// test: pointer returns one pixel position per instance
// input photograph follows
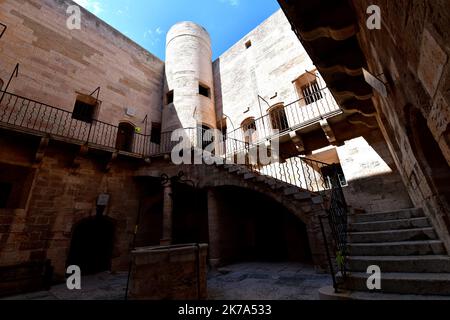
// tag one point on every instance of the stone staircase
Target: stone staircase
(413, 261)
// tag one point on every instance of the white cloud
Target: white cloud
(93, 6)
(153, 36)
(233, 3)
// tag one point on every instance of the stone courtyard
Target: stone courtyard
(244, 281)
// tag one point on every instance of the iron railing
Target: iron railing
(337, 215)
(38, 117)
(3, 28)
(312, 107)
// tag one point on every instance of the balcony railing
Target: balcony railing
(309, 109)
(37, 117)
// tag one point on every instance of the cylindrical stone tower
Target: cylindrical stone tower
(189, 92)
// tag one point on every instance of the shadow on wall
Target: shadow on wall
(430, 158)
(252, 227)
(383, 192)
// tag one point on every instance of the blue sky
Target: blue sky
(147, 21)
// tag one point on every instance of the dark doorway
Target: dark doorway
(92, 245)
(253, 227)
(125, 137)
(429, 154)
(190, 215)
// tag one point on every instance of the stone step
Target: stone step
(390, 225)
(233, 169)
(415, 264)
(402, 283)
(328, 293)
(404, 248)
(387, 216)
(249, 176)
(303, 195)
(416, 234)
(291, 191)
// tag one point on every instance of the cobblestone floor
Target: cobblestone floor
(245, 281)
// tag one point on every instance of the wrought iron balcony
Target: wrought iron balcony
(23, 114)
(315, 105)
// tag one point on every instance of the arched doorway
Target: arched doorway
(249, 130)
(428, 153)
(255, 228)
(125, 137)
(92, 245)
(278, 118)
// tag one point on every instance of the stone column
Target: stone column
(167, 216)
(214, 228)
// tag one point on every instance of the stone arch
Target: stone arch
(278, 118)
(254, 227)
(92, 244)
(215, 178)
(249, 130)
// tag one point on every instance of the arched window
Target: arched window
(249, 130)
(278, 118)
(125, 137)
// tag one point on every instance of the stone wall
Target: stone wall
(415, 116)
(267, 68)
(61, 196)
(169, 273)
(374, 183)
(56, 63)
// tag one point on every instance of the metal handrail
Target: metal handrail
(291, 117)
(4, 27)
(337, 216)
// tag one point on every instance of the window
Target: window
(204, 91)
(155, 135)
(85, 109)
(278, 118)
(5, 192)
(249, 130)
(169, 97)
(248, 44)
(311, 92)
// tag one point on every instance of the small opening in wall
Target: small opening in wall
(5, 192)
(1, 84)
(85, 109)
(169, 97)
(248, 44)
(155, 135)
(204, 91)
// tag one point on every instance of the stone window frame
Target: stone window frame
(87, 100)
(170, 97)
(203, 87)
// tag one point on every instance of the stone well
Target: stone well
(176, 272)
